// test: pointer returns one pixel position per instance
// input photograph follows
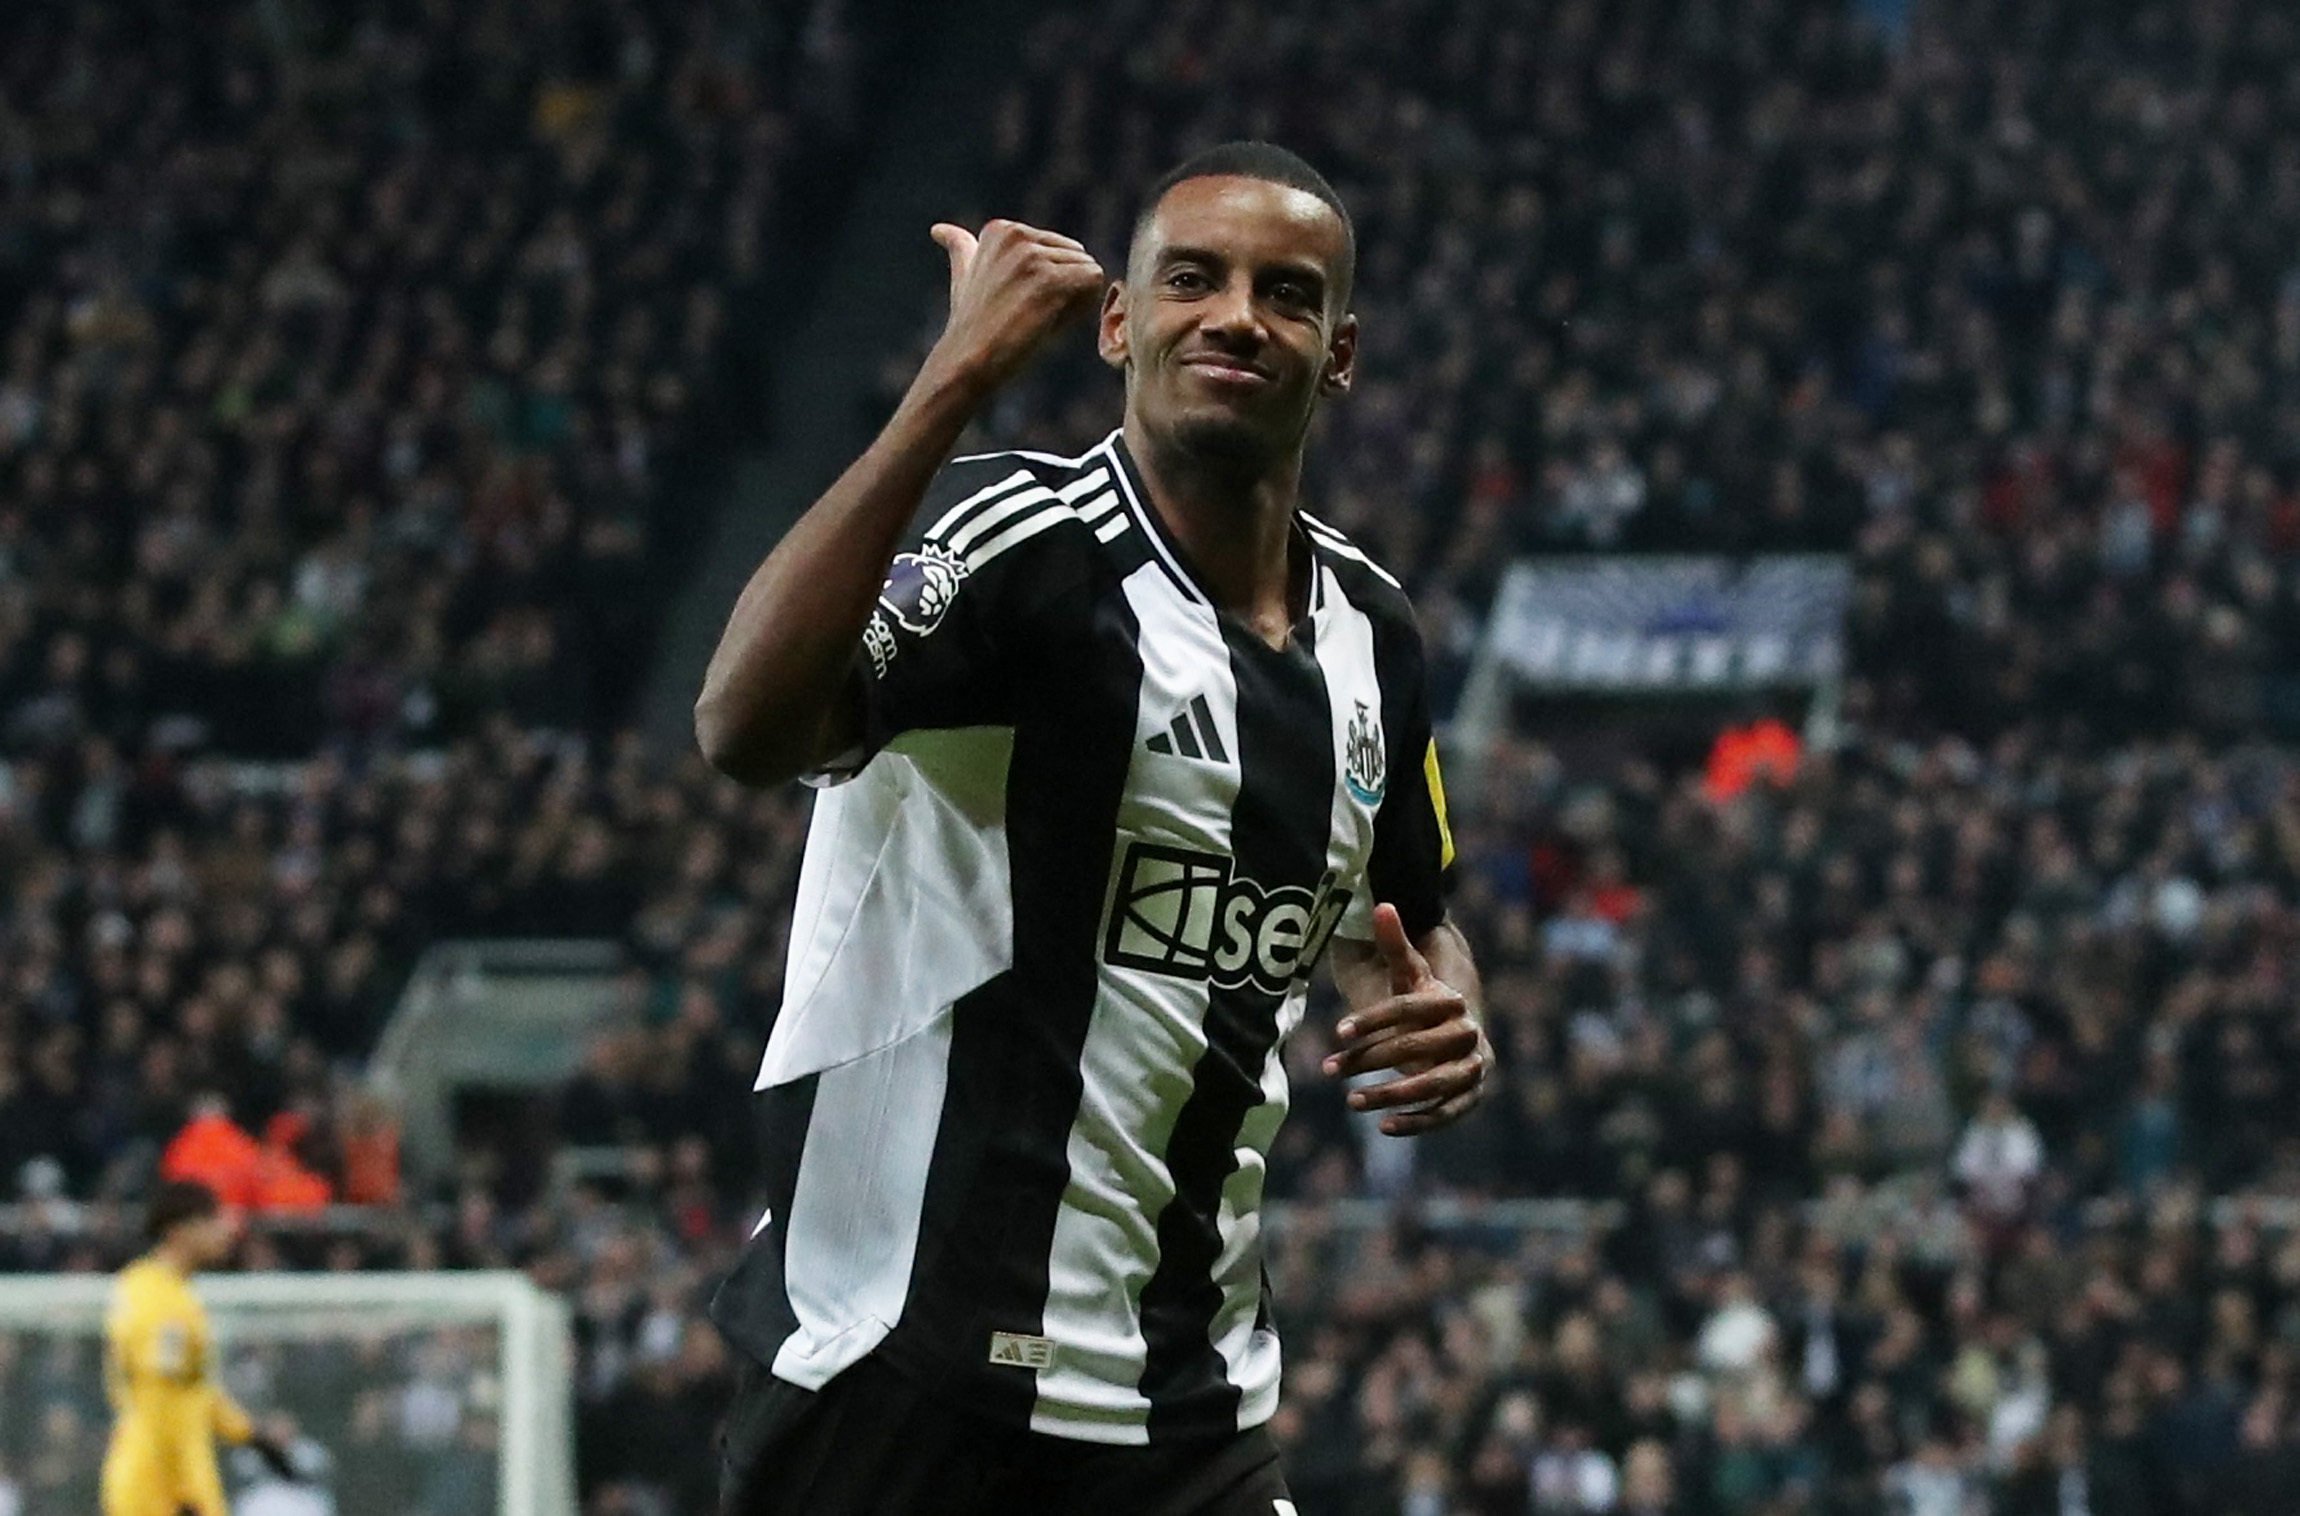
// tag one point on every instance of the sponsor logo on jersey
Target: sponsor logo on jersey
(1365, 762)
(1192, 915)
(920, 586)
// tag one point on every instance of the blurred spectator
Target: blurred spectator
(214, 1150)
(1934, 1481)
(1999, 1161)
(1569, 1475)
(1742, 755)
(369, 1140)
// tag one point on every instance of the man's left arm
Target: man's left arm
(1414, 1006)
(226, 1420)
(1403, 969)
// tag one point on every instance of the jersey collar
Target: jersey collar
(1169, 554)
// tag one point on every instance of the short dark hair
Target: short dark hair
(1247, 159)
(176, 1202)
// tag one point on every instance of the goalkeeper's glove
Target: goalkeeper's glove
(274, 1453)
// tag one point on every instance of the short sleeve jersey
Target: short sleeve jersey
(1057, 916)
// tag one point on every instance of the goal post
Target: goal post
(423, 1388)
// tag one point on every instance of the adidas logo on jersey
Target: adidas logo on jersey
(1191, 734)
(1191, 915)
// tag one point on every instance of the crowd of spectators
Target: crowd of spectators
(2004, 302)
(1907, 1077)
(2001, 301)
(245, 941)
(350, 358)
(1715, 1014)
(1898, 1089)
(234, 948)
(361, 368)
(347, 352)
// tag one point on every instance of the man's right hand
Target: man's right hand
(779, 696)
(1010, 290)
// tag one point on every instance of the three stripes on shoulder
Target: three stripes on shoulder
(1333, 541)
(1017, 508)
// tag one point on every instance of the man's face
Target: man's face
(1230, 324)
(213, 1238)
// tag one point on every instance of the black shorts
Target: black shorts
(871, 1443)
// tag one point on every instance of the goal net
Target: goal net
(414, 1394)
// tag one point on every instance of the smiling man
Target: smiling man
(1113, 752)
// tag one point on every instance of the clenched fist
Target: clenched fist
(1010, 289)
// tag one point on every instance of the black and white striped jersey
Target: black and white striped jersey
(1055, 920)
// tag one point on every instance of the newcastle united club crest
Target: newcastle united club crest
(1365, 763)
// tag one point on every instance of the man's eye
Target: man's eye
(1294, 294)
(1186, 279)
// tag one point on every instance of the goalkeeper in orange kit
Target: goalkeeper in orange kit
(168, 1407)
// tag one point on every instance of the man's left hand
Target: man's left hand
(1424, 1030)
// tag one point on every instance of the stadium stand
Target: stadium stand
(1926, 1107)
(341, 404)
(2003, 305)
(360, 369)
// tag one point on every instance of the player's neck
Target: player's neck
(1235, 528)
(175, 1259)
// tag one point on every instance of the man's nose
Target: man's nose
(1231, 314)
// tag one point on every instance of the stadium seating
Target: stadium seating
(360, 372)
(1900, 1091)
(2002, 304)
(341, 406)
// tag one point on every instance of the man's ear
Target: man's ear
(1341, 359)
(1110, 326)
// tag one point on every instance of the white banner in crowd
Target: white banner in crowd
(1670, 625)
